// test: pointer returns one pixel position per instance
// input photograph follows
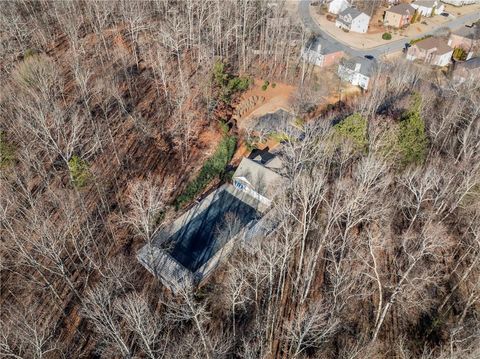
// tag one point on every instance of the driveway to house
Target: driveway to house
(378, 51)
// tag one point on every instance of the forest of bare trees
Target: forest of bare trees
(103, 109)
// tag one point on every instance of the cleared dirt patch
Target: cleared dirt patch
(257, 101)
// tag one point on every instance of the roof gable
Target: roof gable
(402, 9)
(261, 178)
(434, 43)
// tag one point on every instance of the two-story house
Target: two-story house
(358, 71)
(428, 8)
(354, 20)
(259, 177)
(337, 6)
(398, 16)
(321, 53)
(468, 39)
(433, 51)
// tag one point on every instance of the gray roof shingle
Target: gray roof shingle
(367, 66)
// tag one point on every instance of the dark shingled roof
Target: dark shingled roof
(367, 66)
(322, 46)
(353, 12)
(472, 33)
(471, 64)
(402, 9)
(434, 42)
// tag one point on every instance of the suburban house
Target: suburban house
(354, 20)
(337, 6)
(398, 16)
(320, 52)
(183, 253)
(460, 2)
(433, 51)
(428, 8)
(257, 177)
(468, 39)
(358, 71)
(468, 70)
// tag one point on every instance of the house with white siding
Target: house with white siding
(321, 53)
(461, 2)
(258, 179)
(428, 8)
(358, 71)
(354, 20)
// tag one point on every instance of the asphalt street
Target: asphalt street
(312, 25)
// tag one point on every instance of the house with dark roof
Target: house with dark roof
(398, 16)
(467, 71)
(428, 8)
(354, 20)
(258, 179)
(358, 71)
(466, 38)
(321, 52)
(433, 50)
(183, 253)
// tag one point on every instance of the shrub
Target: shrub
(7, 152)
(251, 143)
(299, 122)
(238, 84)
(459, 54)
(387, 36)
(419, 39)
(219, 74)
(274, 85)
(416, 17)
(265, 85)
(279, 137)
(79, 171)
(213, 167)
(354, 129)
(36, 72)
(29, 53)
(412, 140)
(228, 83)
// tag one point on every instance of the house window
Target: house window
(239, 185)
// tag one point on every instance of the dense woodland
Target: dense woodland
(108, 109)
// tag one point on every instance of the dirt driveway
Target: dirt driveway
(257, 102)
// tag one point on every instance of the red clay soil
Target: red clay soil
(136, 145)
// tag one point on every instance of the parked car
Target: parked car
(370, 57)
(446, 14)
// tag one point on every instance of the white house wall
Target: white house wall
(427, 11)
(444, 59)
(360, 24)
(355, 78)
(337, 6)
(313, 57)
(461, 2)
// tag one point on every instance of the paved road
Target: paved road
(312, 25)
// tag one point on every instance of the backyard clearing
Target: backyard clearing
(257, 101)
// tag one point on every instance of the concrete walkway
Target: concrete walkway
(388, 48)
